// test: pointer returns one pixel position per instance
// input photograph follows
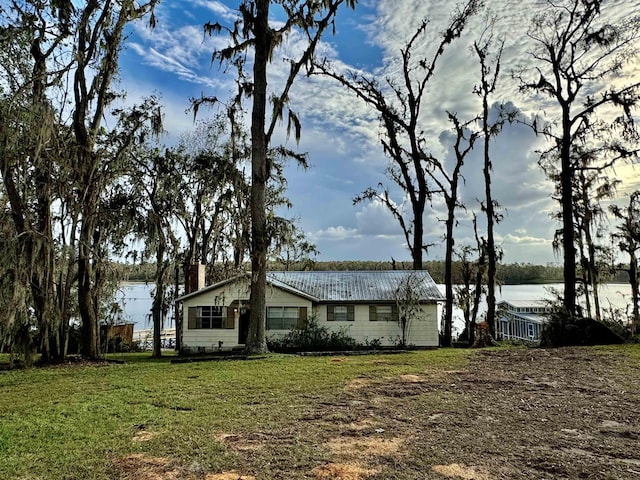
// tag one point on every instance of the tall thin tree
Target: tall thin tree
(578, 62)
(489, 74)
(255, 32)
(400, 102)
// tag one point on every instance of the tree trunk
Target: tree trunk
(86, 296)
(177, 313)
(586, 273)
(256, 341)
(448, 271)
(89, 328)
(477, 294)
(418, 225)
(593, 271)
(156, 315)
(158, 298)
(635, 289)
(568, 232)
(490, 213)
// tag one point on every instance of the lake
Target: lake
(135, 300)
(616, 295)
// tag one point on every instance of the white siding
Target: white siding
(208, 339)
(423, 331)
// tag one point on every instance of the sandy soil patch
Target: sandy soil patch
(229, 476)
(357, 383)
(342, 471)
(138, 466)
(362, 425)
(365, 446)
(412, 378)
(143, 436)
(242, 443)
(459, 471)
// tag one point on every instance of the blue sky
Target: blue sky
(341, 135)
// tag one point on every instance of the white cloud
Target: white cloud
(341, 134)
(375, 219)
(217, 8)
(525, 240)
(335, 233)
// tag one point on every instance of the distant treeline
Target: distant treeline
(508, 274)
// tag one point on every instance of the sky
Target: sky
(341, 135)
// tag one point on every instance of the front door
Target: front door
(243, 326)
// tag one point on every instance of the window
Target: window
(285, 318)
(210, 317)
(531, 330)
(383, 313)
(340, 313)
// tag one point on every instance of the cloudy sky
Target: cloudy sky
(342, 136)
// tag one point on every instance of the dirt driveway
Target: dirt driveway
(571, 413)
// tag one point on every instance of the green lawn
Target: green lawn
(76, 422)
(398, 416)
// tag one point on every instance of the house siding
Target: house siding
(521, 320)
(234, 293)
(207, 339)
(423, 331)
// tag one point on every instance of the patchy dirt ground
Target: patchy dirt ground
(571, 413)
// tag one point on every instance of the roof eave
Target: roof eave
(222, 283)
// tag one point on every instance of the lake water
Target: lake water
(135, 300)
(617, 295)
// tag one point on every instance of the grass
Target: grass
(81, 421)
(73, 422)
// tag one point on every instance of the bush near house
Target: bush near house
(313, 338)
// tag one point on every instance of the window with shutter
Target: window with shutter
(340, 313)
(283, 318)
(206, 317)
(193, 315)
(229, 319)
(383, 313)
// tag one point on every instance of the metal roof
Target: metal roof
(526, 303)
(527, 317)
(344, 286)
(356, 286)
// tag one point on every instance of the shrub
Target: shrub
(563, 330)
(312, 338)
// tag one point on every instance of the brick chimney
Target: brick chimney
(195, 278)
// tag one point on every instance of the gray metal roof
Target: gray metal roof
(526, 303)
(527, 317)
(356, 286)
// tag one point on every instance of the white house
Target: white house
(362, 303)
(521, 319)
